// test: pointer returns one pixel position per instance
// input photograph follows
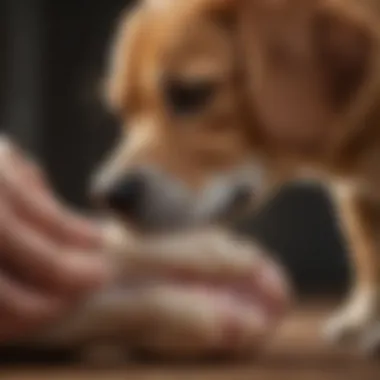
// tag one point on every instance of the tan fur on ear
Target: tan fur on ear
(348, 43)
(120, 60)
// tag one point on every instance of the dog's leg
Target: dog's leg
(361, 307)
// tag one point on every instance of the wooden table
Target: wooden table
(298, 353)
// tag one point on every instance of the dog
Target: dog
(305, 79)
(313, 84)
(183, 168)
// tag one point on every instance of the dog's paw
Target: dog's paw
(351, 322)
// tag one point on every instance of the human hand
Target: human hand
(48, 254)
(192, 294)
(189, 294)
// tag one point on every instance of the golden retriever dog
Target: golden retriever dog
(184, 164)
(313, 83)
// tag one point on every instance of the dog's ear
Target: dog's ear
(120, 61)
(344, 44)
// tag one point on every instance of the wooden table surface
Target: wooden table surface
(298, 353)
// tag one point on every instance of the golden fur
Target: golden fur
(176, 39)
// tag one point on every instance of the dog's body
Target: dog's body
(314, 84)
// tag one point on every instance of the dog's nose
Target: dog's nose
(242, 196)
(125, 195)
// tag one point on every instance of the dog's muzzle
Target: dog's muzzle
(155, 201)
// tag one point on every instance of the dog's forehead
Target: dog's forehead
(181, 35)
(164, 22)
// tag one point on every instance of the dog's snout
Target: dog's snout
(126, 194)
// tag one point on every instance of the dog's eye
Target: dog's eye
(189, 97)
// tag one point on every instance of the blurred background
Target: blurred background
(52, 61)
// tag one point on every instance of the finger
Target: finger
(12, 156)
(28, 192)
(117, 312)
(220, 257)
(21, 307)
(204, 254)
(46, 263)
(217, 255)
(272, 288)
(209, 321)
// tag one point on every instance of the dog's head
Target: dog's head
(183, 157)
(312, 68)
